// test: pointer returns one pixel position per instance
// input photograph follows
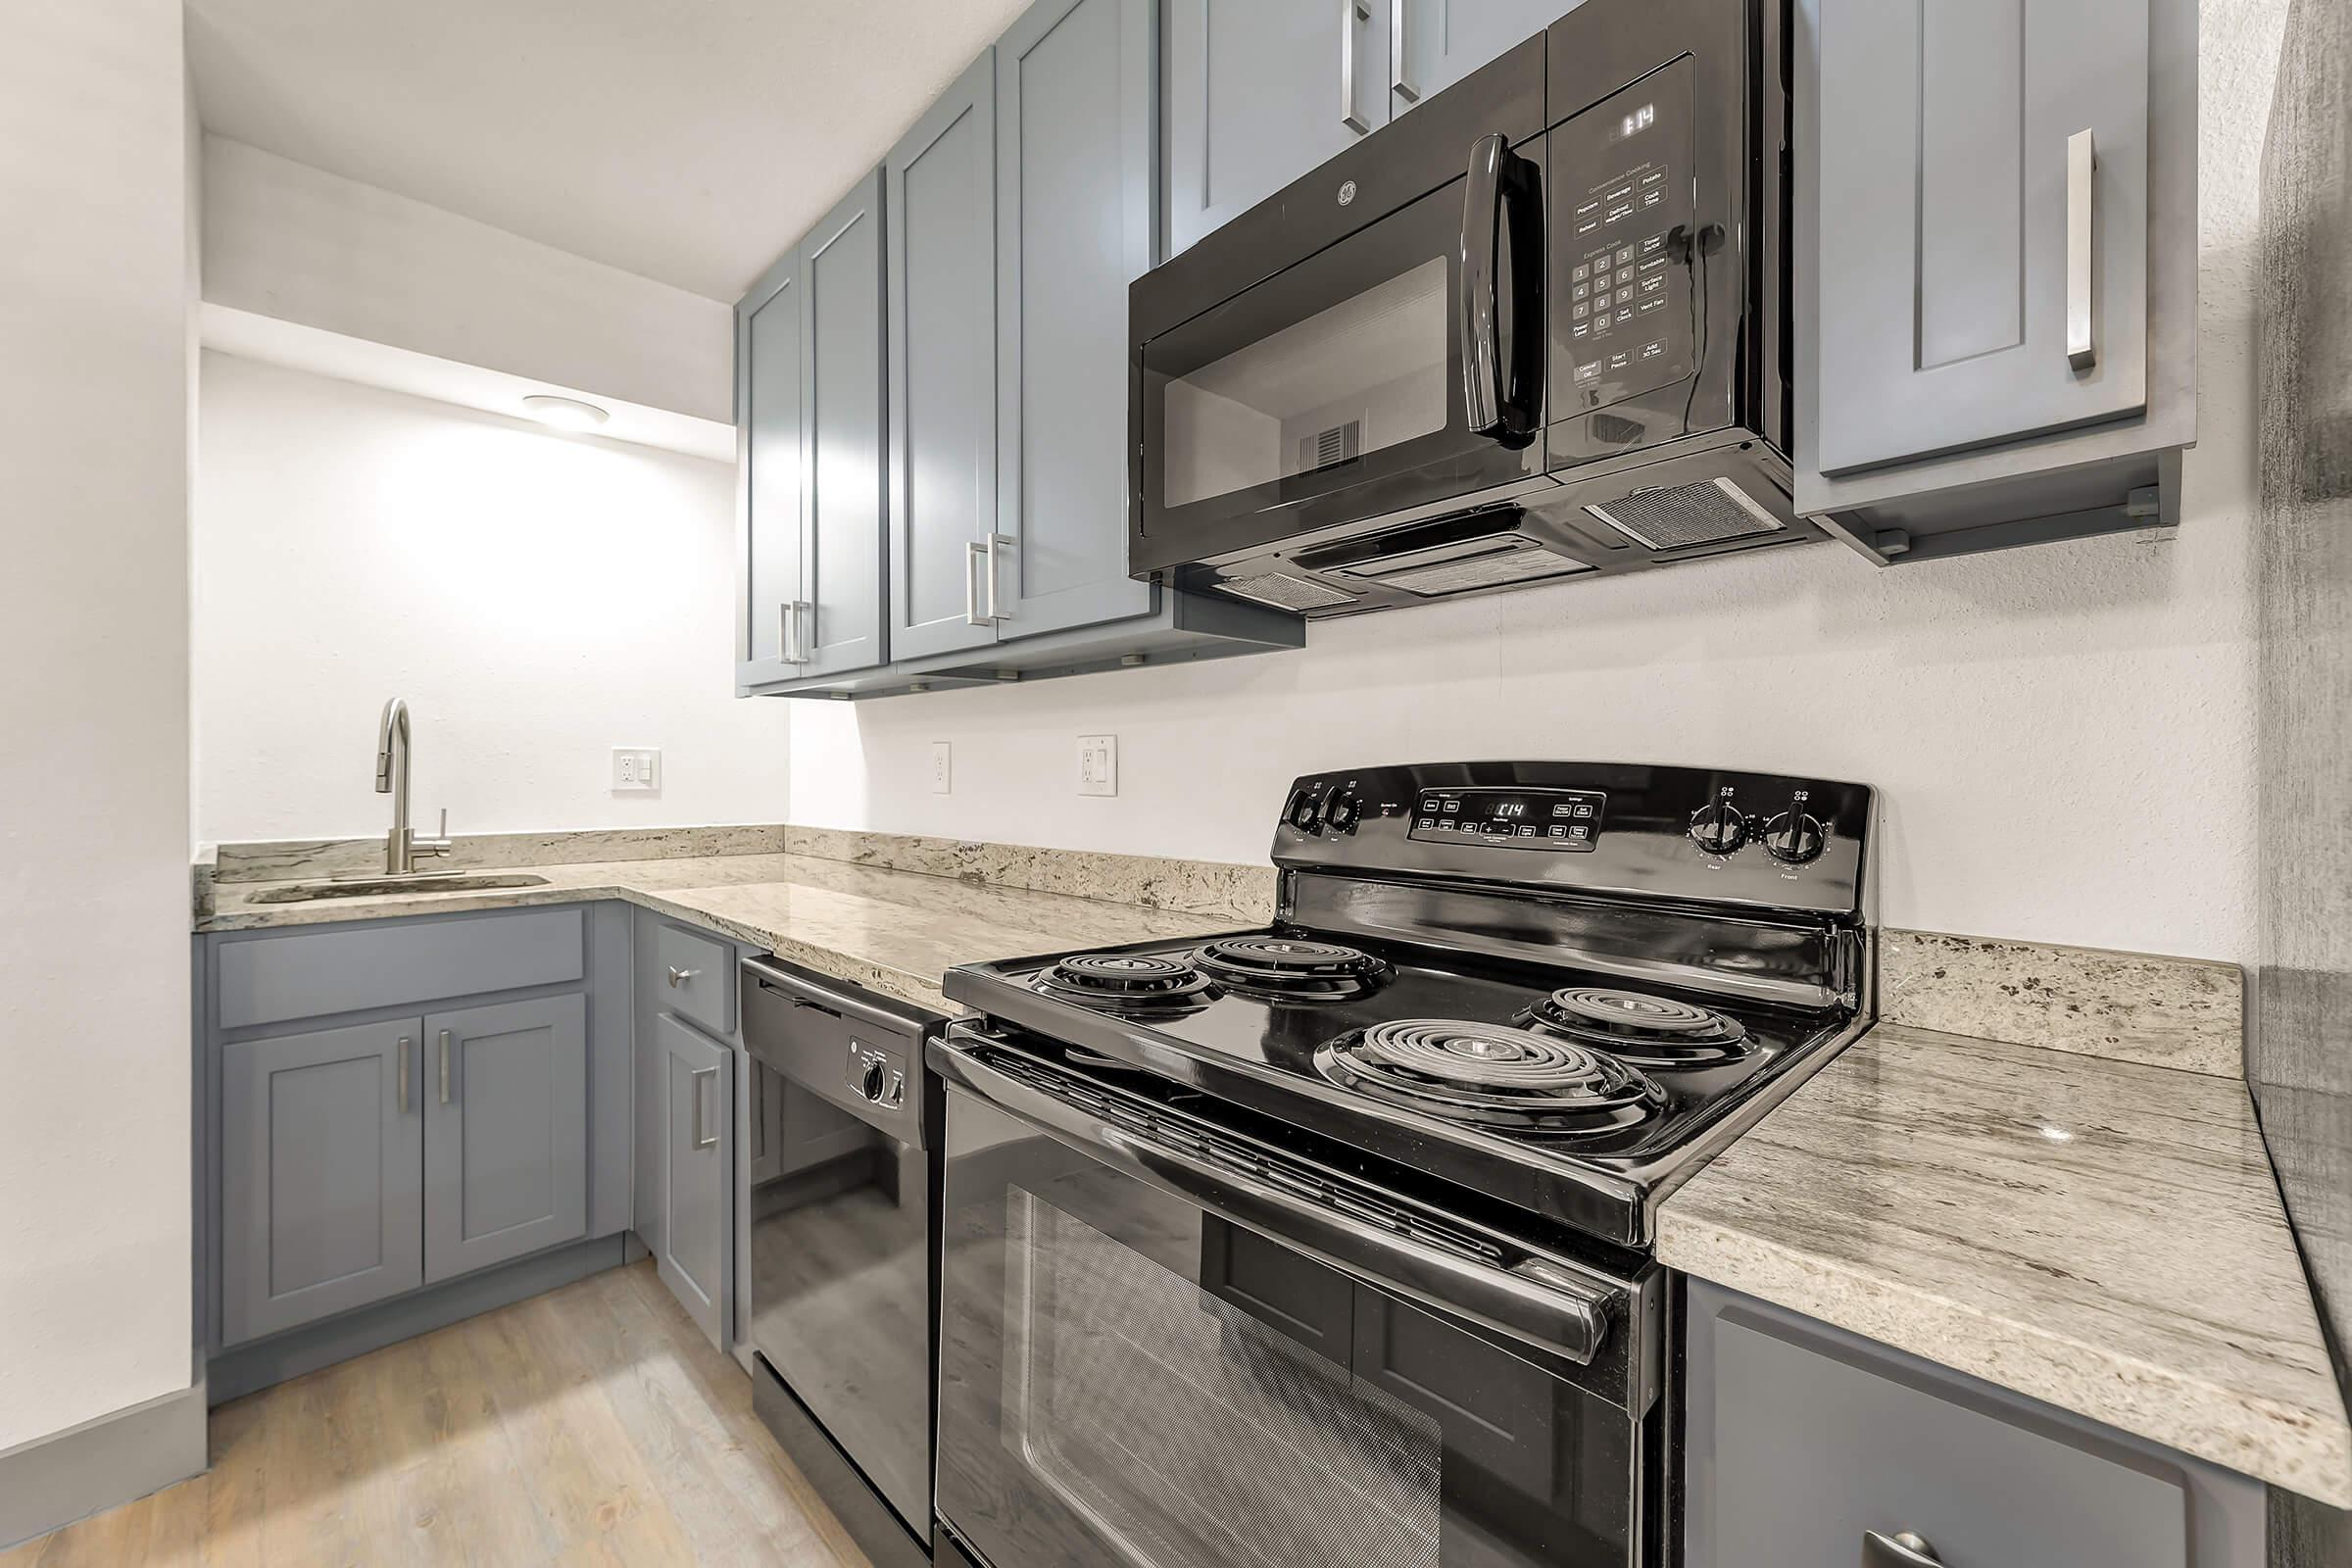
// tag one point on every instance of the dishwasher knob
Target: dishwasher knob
(874, 1082)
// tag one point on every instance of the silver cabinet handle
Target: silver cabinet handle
(2081, 218)
(989, 548)
(803, 611)
(1399, 83)
(973, 554)
(784, 631)
(679, 976)
(445, 1066)
(701, 1138)
(1352, 12)
(1900, 1551)
(401, 1068)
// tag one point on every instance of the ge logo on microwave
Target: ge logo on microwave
(1346, 192)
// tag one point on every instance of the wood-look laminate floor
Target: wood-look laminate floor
(590, 1425)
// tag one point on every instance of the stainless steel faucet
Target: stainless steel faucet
(402, 846)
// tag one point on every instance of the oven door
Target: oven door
(1396, 372)
(1152, 1355)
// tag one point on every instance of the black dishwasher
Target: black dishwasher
(845, 1250)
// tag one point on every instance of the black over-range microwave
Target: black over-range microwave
(1534, 329)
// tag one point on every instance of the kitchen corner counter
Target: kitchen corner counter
(895, 932)
(2101, 1235)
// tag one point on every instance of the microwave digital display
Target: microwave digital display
(1510, 818)
(1636, 121)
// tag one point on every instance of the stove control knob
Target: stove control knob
(1307, 815)
(1342, 813)
(1794, 836)
(1718, 829)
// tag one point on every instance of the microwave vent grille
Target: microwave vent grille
(1491, 571)
(1688, 514)
(1328, 449)
(1286, 592)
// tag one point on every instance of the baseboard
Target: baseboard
(241, 1369)
(103, 1462)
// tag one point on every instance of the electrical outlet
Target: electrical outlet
(1098, 764)
(636, 768)
(942, 777)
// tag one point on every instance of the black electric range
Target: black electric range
(1422, 1120)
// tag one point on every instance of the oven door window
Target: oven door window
(1125, 1379)
(1326, 393)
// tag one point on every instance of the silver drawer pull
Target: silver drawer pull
(2082, 275)
(1902, 1549)
(702, 1139)
(679, 976)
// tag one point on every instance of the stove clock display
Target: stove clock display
(1513, 818)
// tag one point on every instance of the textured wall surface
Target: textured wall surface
(2300, 1058)
(2064, 735)
(94, 1210)
(538, 599)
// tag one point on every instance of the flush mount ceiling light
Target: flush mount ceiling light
(565, 414)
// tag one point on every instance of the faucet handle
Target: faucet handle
(436, 845)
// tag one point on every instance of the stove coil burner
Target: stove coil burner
(1291, 967)
(1632, 1026)
(1491, 1075)
(1128, 982)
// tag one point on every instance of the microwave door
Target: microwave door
(1340, 389)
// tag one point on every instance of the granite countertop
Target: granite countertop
(895, 932)
(2100, 1234)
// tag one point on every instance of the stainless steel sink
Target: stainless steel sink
(377, 886)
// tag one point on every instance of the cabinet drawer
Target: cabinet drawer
(698, 977)
(317, 973)
(1813, 1446)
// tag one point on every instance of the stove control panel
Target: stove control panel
(1515, 818)
(1637, 830)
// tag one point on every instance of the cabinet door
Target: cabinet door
(770, 523)
(943, 369)
(695, 1222)
(841, 402)
(1073, 230)
(505, 1132)
(1436, 43)
(1259, 92)
(1947, 207)
(322, 1174)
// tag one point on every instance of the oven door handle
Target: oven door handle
(1502, 374)
(1537, 1301)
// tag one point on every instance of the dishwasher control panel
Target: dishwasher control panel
(877, 1075)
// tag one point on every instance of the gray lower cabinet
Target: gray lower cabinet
(505, 1132)
(695, 1116)
(1995, 248)
(323, 1174)
(1807, 1444)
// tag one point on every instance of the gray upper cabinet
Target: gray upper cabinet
(943, 371)
(1996, 255)
(842, 414)
(696, 1172)
(505, 1132)
(1948, 174)
(1074, 96)
(1259, 92)
(769, 474)
(1435, 43)
(322, 1174)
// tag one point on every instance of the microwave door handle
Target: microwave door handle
(1494, 407)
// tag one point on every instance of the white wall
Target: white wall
(2064, 735)
(94, 1173)
(286, 240)
(539, 598)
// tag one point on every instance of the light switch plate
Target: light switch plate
(636, 769)
(942, 776)
(1098, 764)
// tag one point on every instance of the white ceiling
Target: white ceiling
(684, 140)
